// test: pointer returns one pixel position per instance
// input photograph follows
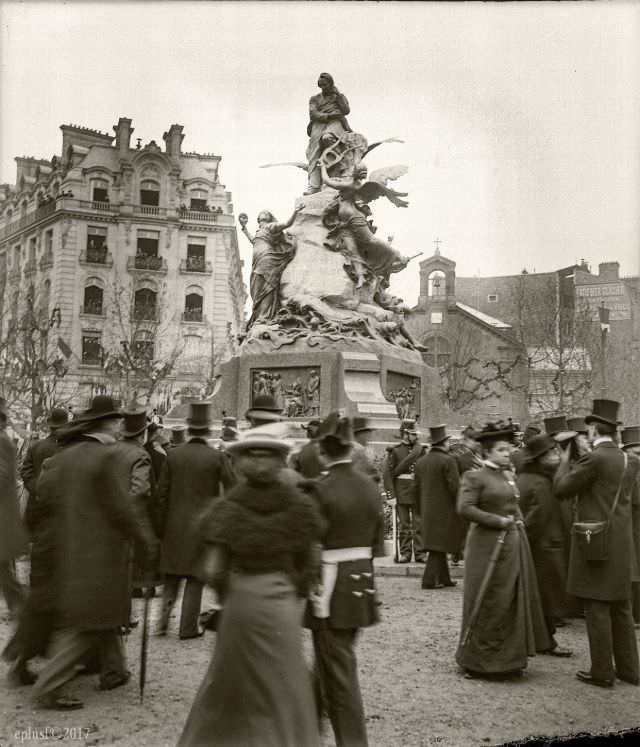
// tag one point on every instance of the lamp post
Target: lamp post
(603, 314)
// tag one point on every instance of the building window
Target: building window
(149, 193)
(143, 345)
(198, 200)
(144, 305)
(91, 349)
(195, 255)
(48, 242)
(192, 307)
(100, 190)
(93, 298)
(32, 248)
(492, 298)
(147, 244)
(439, 351)
(436, 317)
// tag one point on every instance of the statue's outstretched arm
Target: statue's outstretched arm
(277, 227)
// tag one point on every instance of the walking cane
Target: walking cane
(484, 586)
(145, 639)
(396, 533)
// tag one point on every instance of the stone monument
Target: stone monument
(325, 332)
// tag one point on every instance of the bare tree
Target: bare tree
(140, 345)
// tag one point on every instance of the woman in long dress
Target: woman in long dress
(262, 556)
(505, 625)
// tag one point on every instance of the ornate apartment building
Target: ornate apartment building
(119, 269)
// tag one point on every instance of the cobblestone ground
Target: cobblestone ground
(413, 692)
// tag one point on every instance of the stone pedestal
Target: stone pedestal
(356, 381)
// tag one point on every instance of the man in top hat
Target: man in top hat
(307, 460)
(34, 629)
(192, 479)
(264, 410)
(362, 430)
(13, 537)
(436, 485)
(95, 525)
(350, 503)
(598, 478)
(178, 435)
(37, 452)
(543, 522)
(630, 437)
(397, 478)
(136, 477)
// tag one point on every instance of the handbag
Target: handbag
(592, 537)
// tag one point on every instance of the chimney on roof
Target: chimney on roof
(609, 271)
(173, 140)
(123, 131)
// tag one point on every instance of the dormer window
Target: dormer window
(198, 200)
(100, 190)
(149, 193)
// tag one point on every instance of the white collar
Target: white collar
(601, 440)
(340, 461)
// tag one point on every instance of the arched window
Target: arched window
(193, 305)
(439, 351)
(93, 300)
(144, 304)
(149, 192)
(436, 287)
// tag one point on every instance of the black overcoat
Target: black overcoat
(190, 481)
(13, 536)
(94, 525)
(544, 524)
(436, 483)
(30, 471)
(594, 478)
(350, 503)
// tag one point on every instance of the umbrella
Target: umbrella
(145, 639)
(484, 586)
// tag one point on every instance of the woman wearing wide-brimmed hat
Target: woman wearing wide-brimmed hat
(502, 621)
(262, 554)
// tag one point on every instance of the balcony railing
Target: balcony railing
(193, 315)
(99, 256)
(38, 214)
(30, 266)
(144, 313)
(195, 264)
(46, 261)
(93, 307)
(147, 262)
(149, 210)
(198, 215)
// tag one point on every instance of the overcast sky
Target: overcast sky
(521, 121)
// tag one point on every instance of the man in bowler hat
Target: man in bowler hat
(436, 486)
(96, 524)
(192, 478)
(597, 478)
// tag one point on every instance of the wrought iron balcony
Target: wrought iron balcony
(30, 266)
(144, 313)
(193, 315)
(46, 261)
(94, 308)
(196, 264)
(147, 262)
(96, 256)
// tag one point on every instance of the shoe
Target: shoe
(110, 683)
(193, 635)
(590, 680)
(59, 703)
(558, 651)
(19, 674)
(404, 559)
(432, 586)
(630, 680)
(451, 583)
(421, 559)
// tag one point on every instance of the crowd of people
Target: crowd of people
(547, 521)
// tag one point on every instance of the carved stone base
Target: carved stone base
(356, 381)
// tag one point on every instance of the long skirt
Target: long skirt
(257, 691)
(510, 624)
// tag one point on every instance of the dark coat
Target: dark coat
(30, 471)
(350, 504)
(436, 483)
(544, 524)
(95, 525)
(307, 461)
(397, 473)
(594, 478)
(191, 480)
(13, 536)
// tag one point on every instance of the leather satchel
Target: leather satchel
(592, 537)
